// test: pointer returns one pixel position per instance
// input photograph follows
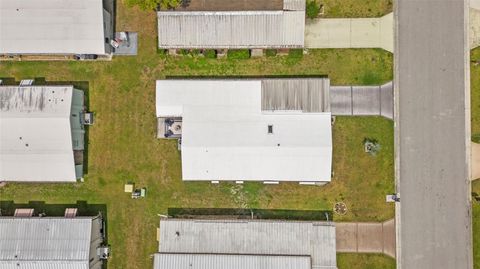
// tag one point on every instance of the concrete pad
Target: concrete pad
(365, 33)
(475, 161)
(389, 246)
(346, 237)
(341, 100)
(474, 28)
(370, 237)
(387, 30)
(327, 33)
(350, 33)
(366, 100)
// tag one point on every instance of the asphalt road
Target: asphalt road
(432, 135)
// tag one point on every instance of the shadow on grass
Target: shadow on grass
(254, 213)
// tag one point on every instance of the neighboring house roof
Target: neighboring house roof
(52, 27)
(231, 29)
(44, 243)
(36, 133)
(225, 131)
(251, 237)
(223, 261)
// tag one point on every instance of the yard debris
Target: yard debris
(340, 208)
(129, 187)
(371, 146)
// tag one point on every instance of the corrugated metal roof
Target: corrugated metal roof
(233, 29)
(315, 239)
(51, 27)
(44, 265)
(225, 261)
(225, 133)
(36, 132)
(44, 239)
(305, 94)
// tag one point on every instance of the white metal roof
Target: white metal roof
(51, 27)
(231, 29)
(224, 261)
(256, 237)
(225, 136)
(45, 242)
(35, 133)
(44, 265)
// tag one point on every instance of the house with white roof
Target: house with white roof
(35, 242)
(42, 133)
(233, 24)
(55, 27)
(245, 244)
(268, 130)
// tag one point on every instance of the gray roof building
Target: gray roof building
(55, 27)
(41, 133)
(232, 28)
(50, 243)
(246, 244)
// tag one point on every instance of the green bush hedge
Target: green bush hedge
(313, 9)
(211, 54)
(476, 138)
(271, 52)
(184, 52)
(295, 53)
(238, 54)
(194, 52)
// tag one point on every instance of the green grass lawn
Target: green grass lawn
(123, 147)
(365, 261)
(476, 226)
(475, 106)
(356, 8)
(475, 94)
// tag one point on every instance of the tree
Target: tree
(313, 9)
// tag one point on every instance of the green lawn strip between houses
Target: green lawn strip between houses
(123, 147)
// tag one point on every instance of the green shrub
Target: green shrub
(476, 138)
(211, 54)
(195, 52)
(271, 52)
(184, 52)
(238, 54)
(312, 9)
(295, 53)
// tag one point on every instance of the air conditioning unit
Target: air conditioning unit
(103, 252)
(87, 118)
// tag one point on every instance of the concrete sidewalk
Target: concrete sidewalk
(475, 161)
(366, 237)
(350, 33)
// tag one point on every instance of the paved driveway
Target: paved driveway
(350, 33)
(366, 237)
(475, 161)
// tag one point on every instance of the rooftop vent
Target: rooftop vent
(270, 129)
